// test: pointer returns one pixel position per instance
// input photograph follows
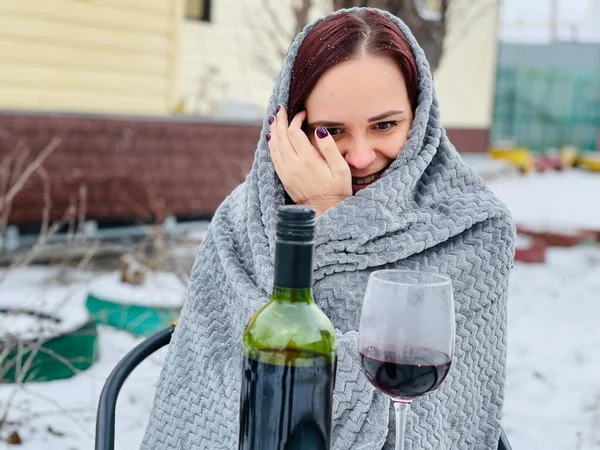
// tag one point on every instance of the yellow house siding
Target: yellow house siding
(176, 14)
(89, 56)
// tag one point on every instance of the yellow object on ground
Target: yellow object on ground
(520, 157)
(590, 161)
(568, 155)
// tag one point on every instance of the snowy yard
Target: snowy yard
(553, 386)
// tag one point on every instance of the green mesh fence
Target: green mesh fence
(545, 108)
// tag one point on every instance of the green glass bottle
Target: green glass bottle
(289, 351)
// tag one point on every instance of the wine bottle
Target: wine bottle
(289, 351)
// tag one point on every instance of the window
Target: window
(197, 10)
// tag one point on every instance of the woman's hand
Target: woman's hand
(316, 178)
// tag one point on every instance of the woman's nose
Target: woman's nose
(359, 154)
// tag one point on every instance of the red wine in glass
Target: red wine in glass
(406, 375)
(406, 336)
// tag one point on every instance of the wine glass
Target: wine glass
(406, 336)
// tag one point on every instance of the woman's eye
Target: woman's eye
(334, 131)
(386, 125)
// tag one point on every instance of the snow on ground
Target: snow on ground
(157, 289)
(553, 384)
(553, 200)
(61, 415)
(553, 387)
(489, 169)
(41, 289)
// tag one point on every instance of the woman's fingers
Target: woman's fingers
(330, 152)
(287, 142)
(273, 138)
(276, 156)
(298, 138)
(281, 132)
(304, 172)
(298, 120)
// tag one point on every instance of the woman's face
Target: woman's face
(365, 106)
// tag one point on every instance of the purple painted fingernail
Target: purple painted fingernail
(322, 132)
(278, 108)
(271, 119)
(268, 137)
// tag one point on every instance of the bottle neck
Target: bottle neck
(293, 271)
(286, 295)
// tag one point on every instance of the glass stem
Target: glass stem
(401, 413)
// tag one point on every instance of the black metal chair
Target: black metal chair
(105, 421)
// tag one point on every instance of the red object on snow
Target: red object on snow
(595, 233)
(533, 252)
(543, 163)
(567, 238)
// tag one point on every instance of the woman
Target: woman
(358, 137)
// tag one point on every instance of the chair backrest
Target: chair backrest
(503, 444)
(105, 420)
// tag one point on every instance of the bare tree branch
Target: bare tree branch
(301, 17)
(5, 166)
(15, 172)
(261, 42)
(20, 370)
(30, 169)
(267, 66)
(274, 18)
(138, 208)
(278, 35)
(88, 256)
(12, 165)
(18, 165)
(203, 87)
(17, 178)
(82, 208)
(470, 14)
(41, 242)
(47, 199)
(430, 34)
(62, 410)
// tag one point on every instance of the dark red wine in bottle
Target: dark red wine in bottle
(288, 406)
(289, 352)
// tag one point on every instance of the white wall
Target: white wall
(220, 73)
(466, 77)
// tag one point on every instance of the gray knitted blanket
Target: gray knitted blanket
(429, 211)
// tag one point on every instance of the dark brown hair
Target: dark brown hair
(346, 36)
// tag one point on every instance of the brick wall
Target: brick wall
(469, 140)
(128, 166)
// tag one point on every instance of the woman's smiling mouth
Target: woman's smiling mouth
(359, 183)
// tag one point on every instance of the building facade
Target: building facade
(161, 101)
